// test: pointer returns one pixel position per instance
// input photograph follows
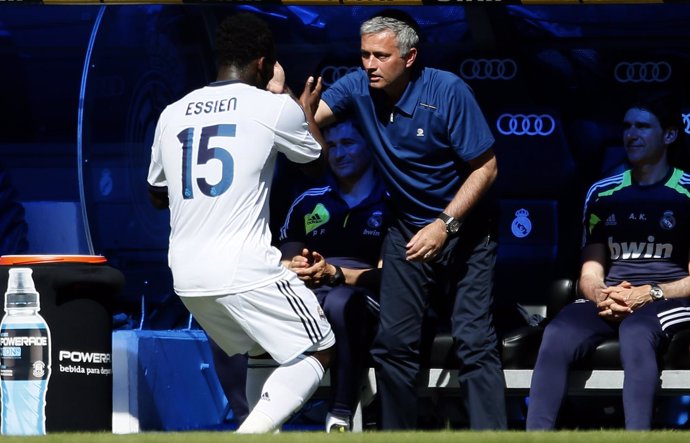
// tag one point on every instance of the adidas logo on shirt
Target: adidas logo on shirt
(265, 397)
(611, 221)
(312, 219)
(316, 218)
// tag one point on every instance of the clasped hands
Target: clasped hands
(617, 302)
(312, 268)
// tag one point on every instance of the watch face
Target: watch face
(453, 227)
(656, 293)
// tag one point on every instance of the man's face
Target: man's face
(644, 139)
(381, 59)
(348, 153)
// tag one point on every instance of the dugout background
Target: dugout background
(83, 86)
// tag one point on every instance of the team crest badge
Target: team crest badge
(521, 226)
(668, 221)
(375, 220)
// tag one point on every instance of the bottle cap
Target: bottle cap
(21, 291)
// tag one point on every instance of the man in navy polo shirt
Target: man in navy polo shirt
(332, 239)
(434, 150)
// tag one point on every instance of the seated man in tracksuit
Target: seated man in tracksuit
(634, 278)
(332, 239)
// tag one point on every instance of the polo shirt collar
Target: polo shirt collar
(409, 99)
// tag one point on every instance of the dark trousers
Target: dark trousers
(353, 323)
(464, 270)
(574, 333)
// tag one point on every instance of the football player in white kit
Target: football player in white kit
(212, 164)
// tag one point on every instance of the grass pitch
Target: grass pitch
(365, 437)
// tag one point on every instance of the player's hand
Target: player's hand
(612, 311)
(632, 297)
(277, 83)
(309, 99)
(318, 269)
(310, 267)
(427, 242)
(613, 306)
(299, 262)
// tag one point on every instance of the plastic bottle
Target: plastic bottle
(24, 358)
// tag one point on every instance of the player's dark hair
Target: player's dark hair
(664, 104)
(242, 38)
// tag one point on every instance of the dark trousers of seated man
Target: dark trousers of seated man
(573, 334)
(353, 313)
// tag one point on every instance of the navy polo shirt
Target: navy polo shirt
(422, 143)
(644, 228)
(349, 237)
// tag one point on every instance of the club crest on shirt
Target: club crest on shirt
(374, 224)
(668, 221)
(322, 315)
(376, 220)
(316, 218)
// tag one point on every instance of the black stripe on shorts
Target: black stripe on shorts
(311, 326)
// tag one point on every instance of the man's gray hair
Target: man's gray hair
(405, 35)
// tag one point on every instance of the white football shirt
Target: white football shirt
(215, 151)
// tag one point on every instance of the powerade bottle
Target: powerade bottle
(24, 358)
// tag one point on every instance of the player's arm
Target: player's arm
(314, 268)
(591, 283)
(327, 273)
(324, 116)
(157, 183)
(679, 288)
(366, 278)
(308, 101)
(310, 98)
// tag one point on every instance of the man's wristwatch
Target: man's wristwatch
(452, 224)
(656, 292)
(338, 278)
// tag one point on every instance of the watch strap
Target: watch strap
(445, 218)
(338, 278)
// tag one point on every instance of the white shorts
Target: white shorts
(283, 319)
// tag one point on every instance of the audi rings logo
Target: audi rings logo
(642, 72)
(526, 124)
(331, 74)
(686, 122)
(488, 69)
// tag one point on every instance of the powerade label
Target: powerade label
(24, 354)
